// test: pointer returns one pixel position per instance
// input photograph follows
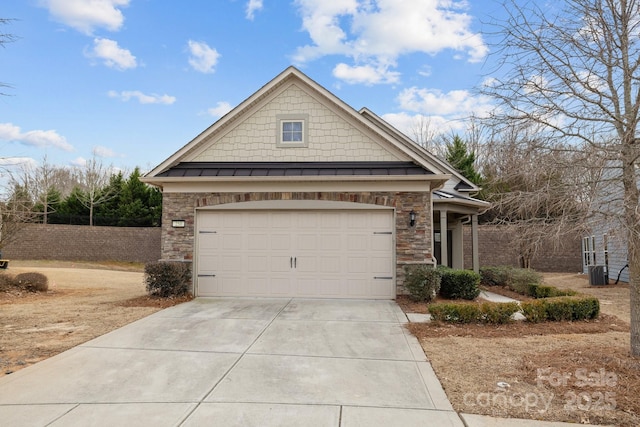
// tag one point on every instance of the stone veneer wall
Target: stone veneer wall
(413, 244)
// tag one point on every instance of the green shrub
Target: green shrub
(586, 308)
(495, 276)
(543, 291)
(534, 311)
(167, 279)
(561, 309)
(497, 313)
(462, 312)
(34, 282)
(517, 279)
(459, 284)
(422, 282)
(455, 312)
(521, 278)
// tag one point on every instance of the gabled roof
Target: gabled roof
(434, 168)
(463, 185)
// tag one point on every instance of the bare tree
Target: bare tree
(15, 212)
(540, 195)
(4, 39)
(426, 135)
(94, 179)
(573, 67)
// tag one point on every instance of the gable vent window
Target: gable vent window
(292, 131)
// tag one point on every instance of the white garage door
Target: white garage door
(311, 254)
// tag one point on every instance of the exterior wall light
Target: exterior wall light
(412, 218)
(178, 223)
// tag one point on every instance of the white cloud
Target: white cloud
(365, 74)
(456, 103)
(17, 161)
(203, 58)
(220, 109)
(379, 31)
(113, 55)
(252, 7)
(79, 162)
(86, 15)
(104, 152)
(142, 98)
(34, 138)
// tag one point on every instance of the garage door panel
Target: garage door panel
(320, 254)
(208, 286)
(257, 241)
(307, 242)
(279, 264)
(229, 286)
(330, 264)
(280, 286)
(357, 265)
(306, 264)
(258, 263)
(357, 288)
(230, 263)
(380, 288)
(357, 242)
(280, 242)
(330, 242)
(232, 241)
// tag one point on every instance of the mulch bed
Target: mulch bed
(604, 323)
(149, 301)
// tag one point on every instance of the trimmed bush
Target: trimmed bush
(422, 282)
(543, 291)
(167, 279)
(561, 309)
(489, 312)
(34, 282)
(534, 311)
(498, 313)
(455, 312)
(586, 308)
(6, 281)
(459, 284)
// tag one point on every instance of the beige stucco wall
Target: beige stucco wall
(331, 136)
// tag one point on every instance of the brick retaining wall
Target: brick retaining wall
(494, 245)
(84, 243)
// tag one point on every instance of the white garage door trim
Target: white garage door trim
(310, 253)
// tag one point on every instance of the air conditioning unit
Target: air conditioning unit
(598, 275)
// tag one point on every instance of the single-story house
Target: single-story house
(295, 193)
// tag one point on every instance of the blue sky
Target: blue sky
(132, 81)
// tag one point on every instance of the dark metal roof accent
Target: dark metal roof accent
(241, 169)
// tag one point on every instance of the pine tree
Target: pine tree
(463, 160)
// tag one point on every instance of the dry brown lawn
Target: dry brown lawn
(578, 372)
(84, 301)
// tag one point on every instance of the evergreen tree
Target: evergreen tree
(462, 159)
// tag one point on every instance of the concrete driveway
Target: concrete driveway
(238, 362)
